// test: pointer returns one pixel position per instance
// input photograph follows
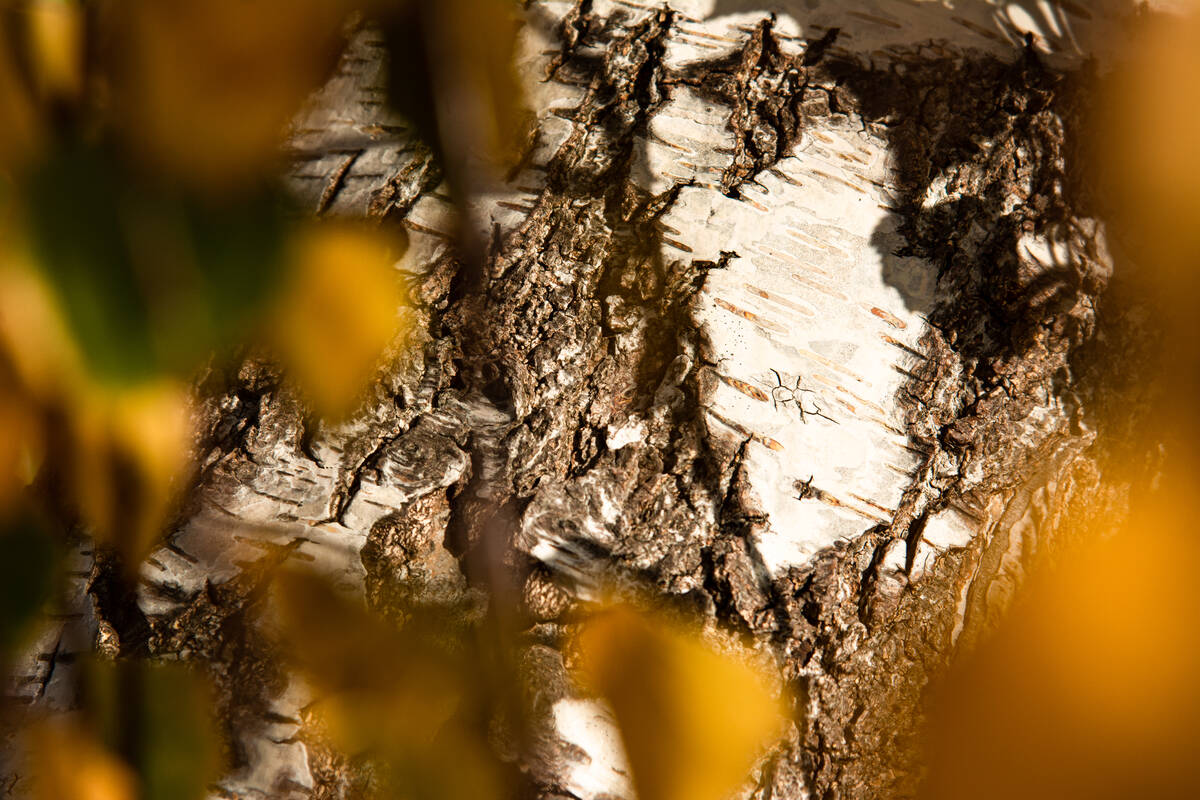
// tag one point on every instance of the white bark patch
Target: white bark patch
(687, 137)
(597, 764)
(274, 759)
(944, 530)
(1066, 31)
(45, 673)
(814, 326)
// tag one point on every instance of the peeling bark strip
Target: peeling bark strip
(779, 324)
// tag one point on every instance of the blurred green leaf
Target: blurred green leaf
(150, 280)
(181, 754)
(28, 559)
(73, 207)
(159, 717)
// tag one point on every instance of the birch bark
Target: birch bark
(795, 313)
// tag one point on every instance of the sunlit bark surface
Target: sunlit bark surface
(790, 315)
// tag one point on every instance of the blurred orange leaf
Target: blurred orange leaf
(694, 721)
(1088, 688)
(67, 764)
(56, 43)
(20, 447)
(20, 132)
(133, 445)
(1148, 133)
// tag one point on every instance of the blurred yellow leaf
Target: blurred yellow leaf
(56, 45)
(67, 764)
(413, 698)
(33, 335)
(21, 448)
(206, 87)
(694, 721)
(340, 312)
(133, 445)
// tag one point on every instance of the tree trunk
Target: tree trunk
(791, 315)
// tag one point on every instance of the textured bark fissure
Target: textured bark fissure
(770, 95)
(579, 276)
(396, 197)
